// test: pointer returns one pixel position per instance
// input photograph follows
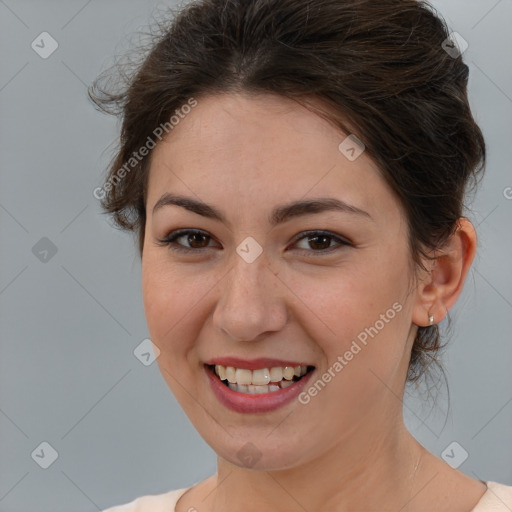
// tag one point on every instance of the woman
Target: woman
(296, 173)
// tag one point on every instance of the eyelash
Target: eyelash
(170, 241)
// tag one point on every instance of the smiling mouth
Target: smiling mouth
(264, 380)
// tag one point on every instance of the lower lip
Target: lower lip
(264, 402)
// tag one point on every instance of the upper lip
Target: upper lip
(253, 364)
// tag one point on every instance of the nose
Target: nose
(251, 303)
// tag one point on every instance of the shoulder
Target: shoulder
(151, 503)
(497, 498)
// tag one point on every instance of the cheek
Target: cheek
(166, 294)
(176, 299)
(359, 310)
(168, 297)
(363, 341)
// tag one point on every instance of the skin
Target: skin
(348, 448)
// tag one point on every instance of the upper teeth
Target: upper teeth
(260, 377)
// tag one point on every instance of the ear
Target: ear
(440, 287)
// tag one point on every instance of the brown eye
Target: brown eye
(320, 242)
(195, 239)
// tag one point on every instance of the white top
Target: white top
(497, 498)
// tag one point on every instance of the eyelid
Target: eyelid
(169, 241)
(313, 233)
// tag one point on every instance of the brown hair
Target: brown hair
(380, 66)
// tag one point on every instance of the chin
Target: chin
(259, 452)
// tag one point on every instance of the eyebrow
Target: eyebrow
(278, 215)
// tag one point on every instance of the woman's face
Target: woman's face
(256, 292)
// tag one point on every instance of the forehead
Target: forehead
(260, 149)
(245, 124)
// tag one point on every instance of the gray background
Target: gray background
(69, 325)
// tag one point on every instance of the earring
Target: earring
(431, 320)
